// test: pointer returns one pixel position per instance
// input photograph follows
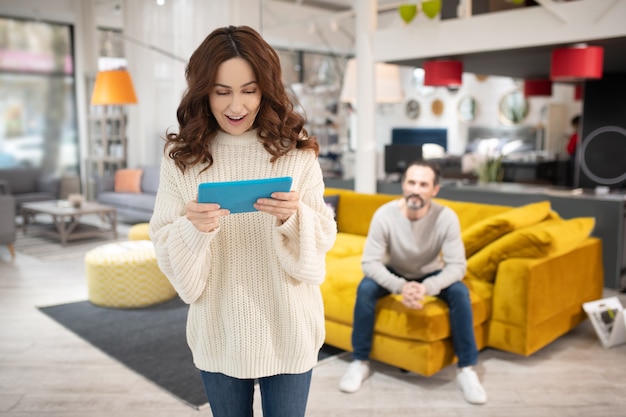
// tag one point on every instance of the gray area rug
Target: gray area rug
(150, 341)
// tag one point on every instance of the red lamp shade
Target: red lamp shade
(537, 88)
(443, 73)
(577, 63)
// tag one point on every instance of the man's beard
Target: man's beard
(411, 204)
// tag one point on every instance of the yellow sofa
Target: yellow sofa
(529, 272)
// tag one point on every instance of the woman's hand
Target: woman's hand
(282, 205)
(204, 216)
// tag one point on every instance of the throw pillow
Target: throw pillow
(536, 241)
(128, 181)
(332, 202)
(486, 231)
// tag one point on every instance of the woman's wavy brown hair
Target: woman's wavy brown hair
(280, 127)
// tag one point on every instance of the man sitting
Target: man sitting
(414, 248)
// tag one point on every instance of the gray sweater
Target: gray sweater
(414, 248)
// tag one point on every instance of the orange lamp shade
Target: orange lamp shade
(534, 88)
(443, 73)
(577, 63)
(113, 88)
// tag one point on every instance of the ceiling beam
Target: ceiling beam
(550, 6)
(327, 17)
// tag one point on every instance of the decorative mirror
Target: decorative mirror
(513, 108)
(412, 109)
(437, 107)
(468, 108)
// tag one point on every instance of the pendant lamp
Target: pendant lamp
(537, 88)
(113, 88)
(407, 12)
(443, 73)
(577, 63)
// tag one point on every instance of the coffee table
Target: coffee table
(66, 219)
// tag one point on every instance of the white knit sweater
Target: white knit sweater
(253, 284)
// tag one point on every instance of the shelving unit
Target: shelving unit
(107, 150)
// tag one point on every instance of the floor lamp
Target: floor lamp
(107, 150)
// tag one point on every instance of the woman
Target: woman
(251, 279)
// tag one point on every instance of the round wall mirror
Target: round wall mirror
(468, 109)
(412, 109)
(513, 108)
(437, 107)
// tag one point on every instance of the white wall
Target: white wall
(180, 25)
(177, 27)
(487, 94)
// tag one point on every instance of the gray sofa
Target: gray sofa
(29, 184)
(7, 220)
(131, 207)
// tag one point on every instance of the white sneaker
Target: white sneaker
(357, 372)
(468, 381)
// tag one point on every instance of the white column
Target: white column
(178, 27)
(246, 12)
(86, 60)
(366, 21)
(142, 129)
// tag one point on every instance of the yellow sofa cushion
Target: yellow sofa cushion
(542, 239)
(432, 323)
(343, 276)
(356, 209)
(347, 244)
(478, 235)
(471, 213)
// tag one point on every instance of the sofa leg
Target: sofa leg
(11, 250)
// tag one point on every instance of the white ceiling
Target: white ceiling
(335, 5)
(284, 28)
(518, 62)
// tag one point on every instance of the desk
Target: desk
(539, 172)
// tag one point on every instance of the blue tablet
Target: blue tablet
(240, 196)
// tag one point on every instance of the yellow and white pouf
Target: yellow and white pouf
(126, 275)
(139, 231)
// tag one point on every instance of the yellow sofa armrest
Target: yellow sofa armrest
(355, 210)
(537, 300)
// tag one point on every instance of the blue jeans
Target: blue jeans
(281, 395)
(461, 321)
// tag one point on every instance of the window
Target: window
(37, 101)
